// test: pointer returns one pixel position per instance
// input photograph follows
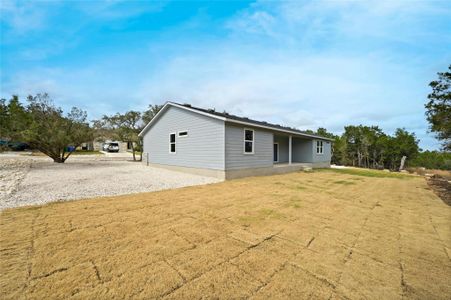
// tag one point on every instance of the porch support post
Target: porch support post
(290, 152)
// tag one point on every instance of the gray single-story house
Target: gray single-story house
(201, 141)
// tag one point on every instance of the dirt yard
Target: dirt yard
(28, 180)
(322, 235)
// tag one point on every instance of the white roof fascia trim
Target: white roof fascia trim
(226, 120)
(153, 119)
(197, 111)
(179, 106)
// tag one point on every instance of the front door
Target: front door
(276, 152)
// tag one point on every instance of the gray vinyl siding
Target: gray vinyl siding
(202, 148)
(305, 151)
(283, 147)
(327, 152)
(234, 148)
(302, 150)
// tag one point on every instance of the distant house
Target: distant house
(98, 145)
(201, 141)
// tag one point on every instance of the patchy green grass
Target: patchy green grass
(344, 182)
(300, 187)
(357, 179)
(367, 173)
(261, 215)
(86, 152)
(294, 202)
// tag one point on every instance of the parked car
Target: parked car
(111, 147)
(15, 146)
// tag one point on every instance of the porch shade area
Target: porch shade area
(301, 149)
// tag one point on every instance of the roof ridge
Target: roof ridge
(231, 117)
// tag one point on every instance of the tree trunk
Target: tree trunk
(359, 159)
(58, 160)
(403, 160)
(141, 148)
(133, 151)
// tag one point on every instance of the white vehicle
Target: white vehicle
(111, 147)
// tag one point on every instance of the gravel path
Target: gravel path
(27, 181)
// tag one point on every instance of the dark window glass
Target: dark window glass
(172, 137)
(172, 147)
(319, 147)
(248, 147)
(249, 135)
(183, 133)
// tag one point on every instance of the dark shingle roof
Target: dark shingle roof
(251, 121)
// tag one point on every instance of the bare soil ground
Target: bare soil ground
(441, 186)
(320, 235)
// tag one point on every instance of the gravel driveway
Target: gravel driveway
(37, 180)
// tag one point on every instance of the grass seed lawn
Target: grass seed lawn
(321, 235)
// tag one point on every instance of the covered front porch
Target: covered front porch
(289, 150)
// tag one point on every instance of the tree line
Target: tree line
(369, 147)
(45, 127)
(126, 127)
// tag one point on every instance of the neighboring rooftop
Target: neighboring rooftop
(250, 121)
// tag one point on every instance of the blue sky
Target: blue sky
(305, 64)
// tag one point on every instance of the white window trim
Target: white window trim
(320, 147)
(278, 153)
(182, 136)
(175, 142)
(244, 141)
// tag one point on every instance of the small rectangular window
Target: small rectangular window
(172, 142)
(319, 147)
(248, 141)
(183, 133)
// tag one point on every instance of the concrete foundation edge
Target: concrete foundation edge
(240, 173)
(220, 174)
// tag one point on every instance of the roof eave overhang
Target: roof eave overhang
(167, 104)
(278, 130)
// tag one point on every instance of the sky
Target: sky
(304, 64)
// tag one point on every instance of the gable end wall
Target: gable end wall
(202, 148)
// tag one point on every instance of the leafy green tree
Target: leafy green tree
(370, 147)
(130, 125)
(438, 109)
(44, 127)
(126, 127)
(53, 133)
(405, 144)
(123, 127)
(353, 139)
(151, 112)
(323, 132)
(13, 119)
(432, 160)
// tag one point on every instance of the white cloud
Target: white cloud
(307, 22)
(309, 65)
(317, 90)
(117, 9)
(22, 16)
